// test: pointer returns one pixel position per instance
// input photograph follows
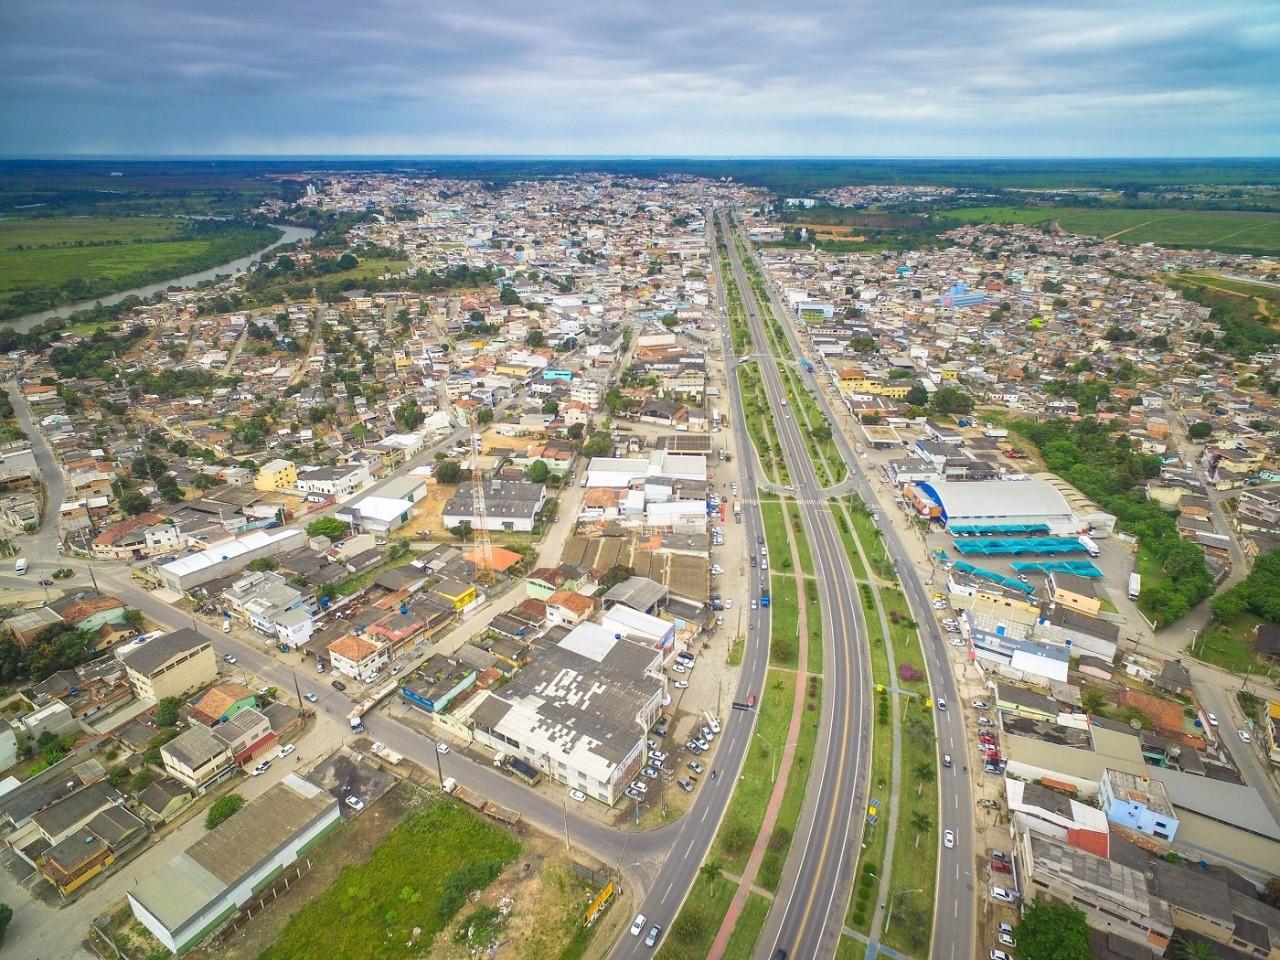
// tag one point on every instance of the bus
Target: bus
(1135, 586)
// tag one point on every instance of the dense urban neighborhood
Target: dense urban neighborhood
(623, 565)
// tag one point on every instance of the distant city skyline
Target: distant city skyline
(808, 78)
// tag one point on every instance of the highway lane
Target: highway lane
(696, 830)
(955, 913)
(808, 911)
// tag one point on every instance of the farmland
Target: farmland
(49, 262)
(1226, 230)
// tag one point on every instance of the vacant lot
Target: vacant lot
(418, 879)
(1226, 230)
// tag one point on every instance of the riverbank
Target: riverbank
(287, 234)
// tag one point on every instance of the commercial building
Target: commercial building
(199, 889)
(510, 505)
(341, 481)
(358, 658)
(169, 666)
(263, 601)
(1114, 897)
(997, 502)
(226, 557)
(201, 757)
(276, 475)
(579, 711)
(377, 514)
(640, 627)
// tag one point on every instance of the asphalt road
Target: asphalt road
(808, 911)
(954, 909)
(697, 828)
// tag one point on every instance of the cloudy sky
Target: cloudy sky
(788, 77)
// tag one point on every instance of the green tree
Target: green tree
(550, 407)
(1093, 700)
(1194, 950)
(133, 618)
(264, 564)
(6, 915)
(167, 712)
(484, 416)
(223, 809)
(330, 527)
(348, 261)
(133, 503)
(1052, 931)
(712, 871)
(917, 396)
(535, 339)
(924, 773)
(599, 445)
(538, 471)
(951, 400)
(448, 471)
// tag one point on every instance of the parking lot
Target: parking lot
(347, 774)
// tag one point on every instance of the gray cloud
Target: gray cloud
(560, 77)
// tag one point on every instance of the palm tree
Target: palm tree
(1195, 950)
(6, 547)
(920, 823)
(1093, 701)
(712, 871)
(924, 774)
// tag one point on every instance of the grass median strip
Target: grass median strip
(747, 930)
(802, 541)
(751, 794)
(797, 783)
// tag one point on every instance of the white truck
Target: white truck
(20, 566)
(1089, 545)
(380, 749)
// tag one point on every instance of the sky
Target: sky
(645, 77)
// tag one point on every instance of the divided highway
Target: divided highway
(697, 829)
(808, 911)
(954, 909)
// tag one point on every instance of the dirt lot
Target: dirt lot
(426, 523)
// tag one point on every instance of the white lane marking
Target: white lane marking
(667, 892)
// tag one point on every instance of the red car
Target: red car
(751, 700)
(1001, 867)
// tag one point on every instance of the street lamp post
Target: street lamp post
(892, 899)
(773, 755)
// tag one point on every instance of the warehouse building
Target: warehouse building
(197, 890)
(994, 503)
(226, 557)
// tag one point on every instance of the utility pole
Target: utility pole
(439, 768)
(297, 689)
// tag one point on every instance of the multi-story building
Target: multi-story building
(169, 666)
(276, 475)
(1137, 803)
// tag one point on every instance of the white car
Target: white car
(753, 604)
(229, 659)
(728, 603)
(310, 697)
(979, 705)
(1000, 955)
(1001, 894)
(681, 684)
(714, 724)
(638, 925)
(442, 747)
(1007, 939)
(948, 839)
(577, 795)
(355, 803)
(679, 668)
(1244, 737)
(657, 755)
(1213, 721)
(287, 749)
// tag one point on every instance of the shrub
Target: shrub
(908, 672)
(223, 809)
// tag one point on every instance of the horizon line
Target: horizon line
(634, 157)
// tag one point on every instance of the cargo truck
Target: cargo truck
(1135, 586)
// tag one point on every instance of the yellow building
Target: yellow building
(461, 595)
(169, 666)
(893, 389)
(276, 475)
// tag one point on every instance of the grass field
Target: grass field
(785, 615)
(46, 263)
(850, 949)
(1259, 291)
(759, 424)
(802, 541)
(1226, 230)
(418, 877)
(1230, 645)
(915, 850)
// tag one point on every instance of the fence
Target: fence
(262, 900)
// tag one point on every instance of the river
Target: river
(291, 234)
